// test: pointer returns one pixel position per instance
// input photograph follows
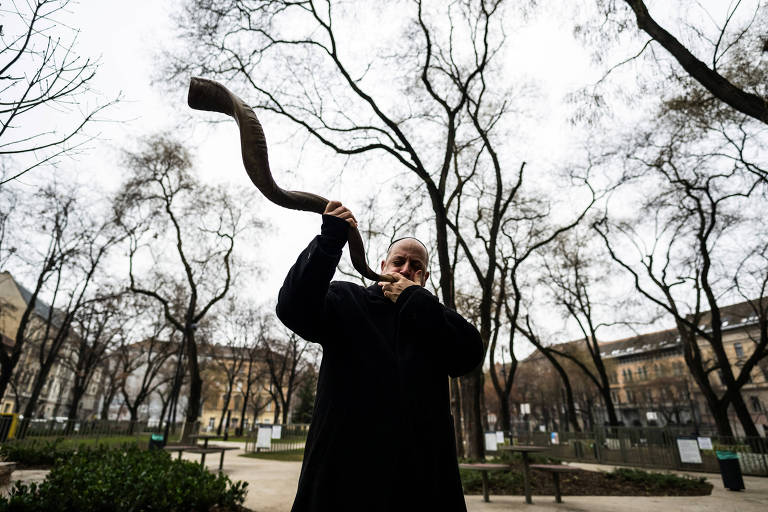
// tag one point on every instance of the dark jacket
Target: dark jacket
(382, 435)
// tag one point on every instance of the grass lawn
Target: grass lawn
(234, 439)
(290, 456)
(74, 442)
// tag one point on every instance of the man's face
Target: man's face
(407, 257)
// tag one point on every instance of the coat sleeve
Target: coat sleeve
(304, 301)
(457, 342)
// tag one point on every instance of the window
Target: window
(756, 405)
(739, 350)
(630, 396)
(211, 423)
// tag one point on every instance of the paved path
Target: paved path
(272, 486)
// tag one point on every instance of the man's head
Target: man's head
(407, 256)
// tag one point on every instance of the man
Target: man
(382, 435)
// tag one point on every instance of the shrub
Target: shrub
(34, 453)
(657, 481)
(125, 480)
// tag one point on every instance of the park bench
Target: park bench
(484, 468)
(555, 470)
(178, 448)
(213, 448)
(6, 468)
(202, 450)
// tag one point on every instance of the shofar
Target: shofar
(209, 95)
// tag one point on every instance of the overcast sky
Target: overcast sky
(128, 36)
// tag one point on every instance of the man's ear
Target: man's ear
(383, 262)
(424, 278)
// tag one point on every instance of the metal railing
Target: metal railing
(647, 447)
(82, 429)
(292, 439)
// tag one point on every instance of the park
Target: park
(308, 255)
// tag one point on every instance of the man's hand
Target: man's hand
(393, 290)
(336, 209)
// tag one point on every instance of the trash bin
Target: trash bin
(157, 441)
(730, 470)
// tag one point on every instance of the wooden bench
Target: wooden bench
(179, 448)
(555, 470)
(202, 450)
(211, 449)
(6, 468)
(484, 468)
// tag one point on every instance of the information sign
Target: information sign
(689, 451)
(490, 441)
(264, 438)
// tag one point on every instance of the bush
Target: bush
(125, 480)
(35, 454)
(658, 482)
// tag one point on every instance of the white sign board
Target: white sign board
(490, 441)
(264, 438)
(651, 416)
(705, 443)
(276, 431)
(689, 451)
(500, 437)
(525, 408)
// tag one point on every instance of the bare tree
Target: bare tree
(284, 359)
(573, 274)
(70, 292)
(680, 251)
(98, 325)
(444, 131)
(526, 327)
(143, 365)
(191, 266)
(42, 78)
(734, 54)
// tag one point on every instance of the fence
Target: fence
(84, 430)
(291, 439)
(654, 448)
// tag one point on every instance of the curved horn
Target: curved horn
(209, 95)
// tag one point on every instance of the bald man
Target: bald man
(382, 435)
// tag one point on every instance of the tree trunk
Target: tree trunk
(745, 418)
(134, 412)
(195, 383)
(505, 416)
(610, 409)
(77, 396)
(223, 412)
(37, 388)
(456, 413)
(471, 387)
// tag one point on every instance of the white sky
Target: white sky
(127, 36)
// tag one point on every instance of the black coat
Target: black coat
(382, 435)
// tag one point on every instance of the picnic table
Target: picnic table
(524, 450)
(203, 450)
(484, 468)
(204, 437)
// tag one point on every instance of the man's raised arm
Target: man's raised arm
(302, 302)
